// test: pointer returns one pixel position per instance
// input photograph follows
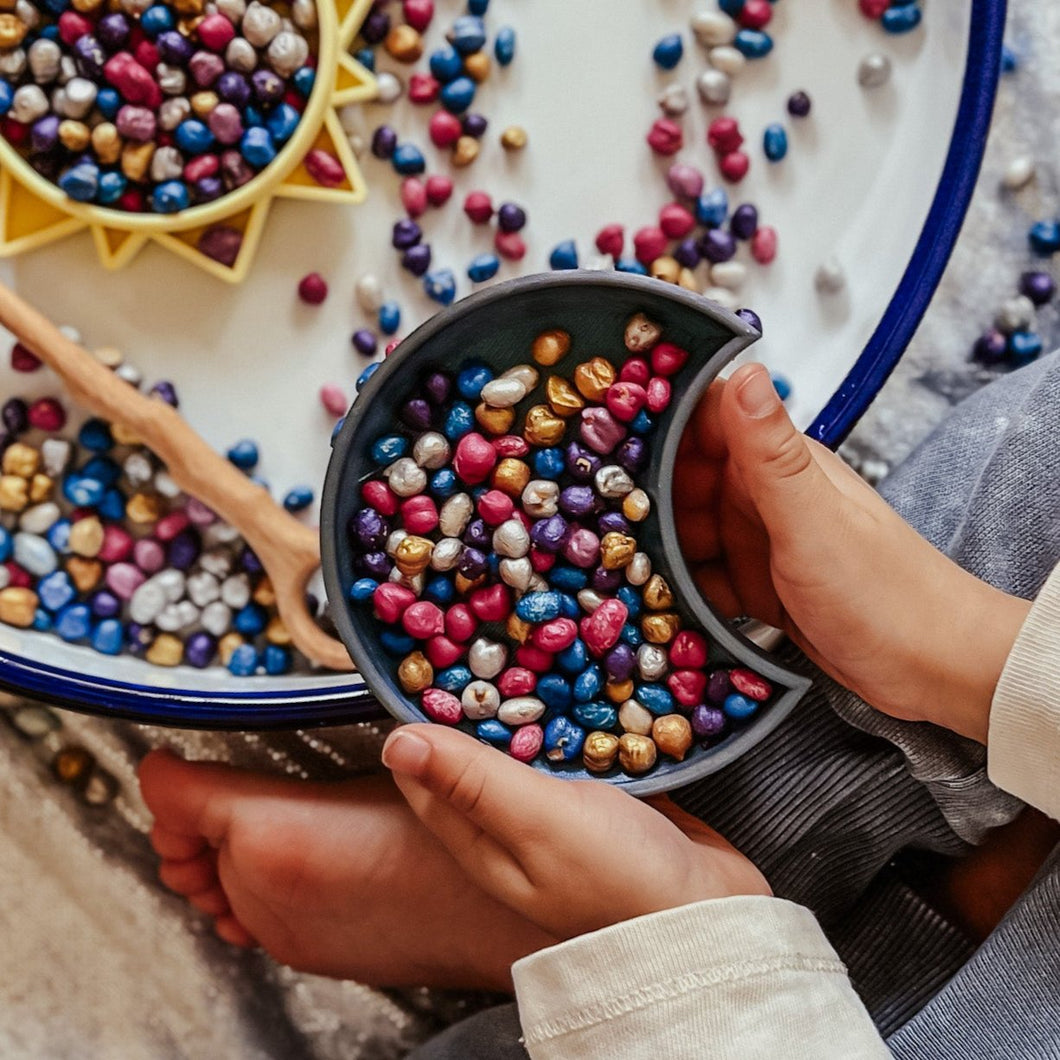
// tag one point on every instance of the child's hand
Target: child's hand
(570, 856)
(777, 527)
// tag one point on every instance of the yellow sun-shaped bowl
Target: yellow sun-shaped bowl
(34, 211)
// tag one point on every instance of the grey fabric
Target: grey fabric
(827, 805)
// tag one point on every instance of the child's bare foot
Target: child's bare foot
(336, 879)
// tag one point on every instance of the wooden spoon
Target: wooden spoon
(289, 551)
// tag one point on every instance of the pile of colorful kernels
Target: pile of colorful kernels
(99, 546)
(153, 106)
(498, 546)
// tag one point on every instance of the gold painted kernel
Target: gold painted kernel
(660, 628)
(189, 7)
(135, 160)
(465, 585)
(124, 435)
(636, 505)
(276, 632)
(72, 764)
(563, 399)
(593, 377)
(617, 550)
(86, 537)
(599, 751)
(21, 460)
(264, 593)
(74, 135)
(12, 31)
(619, 691)
(404, 43)
(86, 574)
(511, 476)
(165, 650)
(493, 420)
(14, 493)
(478, 66)
(666, 268)
(657, 594)
(40, 488)
(641, 333)
(143, 508)
(513, 138)
(412, 554)
(465, 151)
(636, 754)
(227, 645)
(415, 673)
(672, 734)
(543, 426)
(686, 278)
(18, 606)
(518, 630)
(550, 346)
(188, 26)
(203, 104)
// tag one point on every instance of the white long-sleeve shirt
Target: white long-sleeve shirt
(753, 976)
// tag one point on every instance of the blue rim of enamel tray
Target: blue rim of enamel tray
(351, 702)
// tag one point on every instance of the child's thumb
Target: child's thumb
(774, 459)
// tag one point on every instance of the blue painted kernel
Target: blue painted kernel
(407, 159)
(389, 318)
(738, 707)
(631, 265)
(1044, 237)
(304, 79)
(362, 589)
(95, 435)
(171, 196)
(74, 622)
(483, 267)
(440, 590)
(80, 182)
(632, 635)
(257, 147)
(389, 448)
(276, 659)
(563, 740)
(250, 620)
(446, 64)
(55, 591)
(108, 637)
(193, 136)
(504, 45)
(440, 286)
(467, 34)
(493, 731)
(901, 18)
(457, 95)
(83, 492)
(588, 684)
(568, 579)
(453, 679)
(549, 463)
(298, 498)
(753, 43)
(775, 142)
(539, 607)
(395, 643)
(573, 660)
(443, 483)
(596, 716)
(156, 20)
(472, 378)
(42, 621)
(1024, 346)
(782, 386)
(58, 536)
(244, 454)
(656, 698)
(102, 469)
(243, 662)
(564, 255)
(281, 122)
(112, 186)
(459, 420)
(5, 544)
(367, 374)
(668, 51)
(554, 691)
(712, 208)
(112, 506)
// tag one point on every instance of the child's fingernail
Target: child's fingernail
(756, 395)
(406, 752)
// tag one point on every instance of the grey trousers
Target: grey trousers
(832, 805)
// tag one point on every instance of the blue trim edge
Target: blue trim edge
(938, 236)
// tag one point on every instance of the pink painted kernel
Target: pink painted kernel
(132, 80)
(444, 128)
(460, 623)
(582, 548)
(422, 620)
(117, 544)
(648, 244)
(516, 681)
(526, 742)
(424, 88)
(333, 398)
(215, 31)
(312, 288)
(688, 650)
(734, 166)
(123, 579)
(17, 578)
(146, 54)
(625, 400)
(442, 707)
(418, 13)
(439, 189)
(749, 684)
(666, 358)
(511, 445)
(22, 360)
(688, 686)
(555, 635)
(170, 525)
(149, 555)
(378, 495)
(510, 245)
(676, 221)
(611, 239)
(419, 515)
(199, 513)
(533, 658)
(603, 627)
(474, 458)
(46, 414)
(478, 206)
(659, 393)
(443, 652)
(201, 166)
(684, 180)
(323, 167)
(755, 14)
(873, 8)
(491, 603)
(523, 518)
(724, 135)
(390, 601)
(665, 137)
(72, 27)
(600, 431)
(764, 245)
(542, 561)
(392, 345)
(635, 370)
(495, 507)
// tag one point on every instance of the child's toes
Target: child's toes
(187, 798)
(190, 877)
(173, 846)
(213, 902)
(231, 930)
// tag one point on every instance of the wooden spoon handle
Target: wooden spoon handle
(289, 551)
